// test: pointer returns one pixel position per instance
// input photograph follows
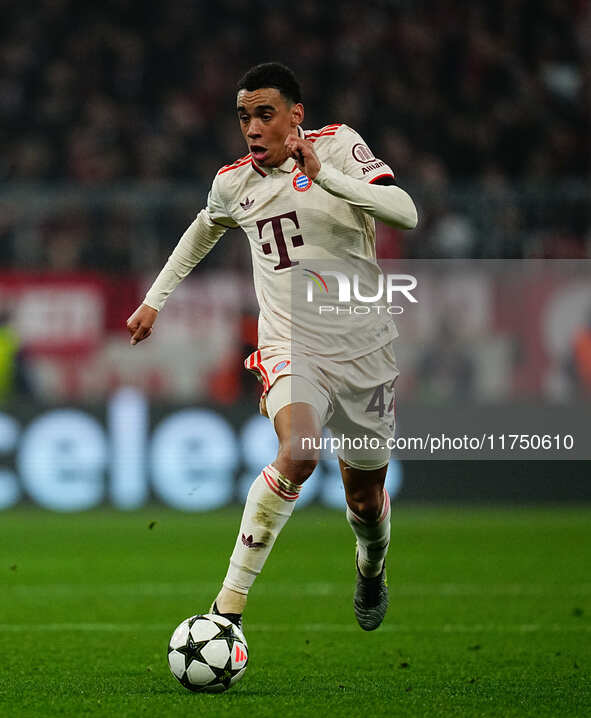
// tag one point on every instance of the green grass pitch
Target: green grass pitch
(490, 615)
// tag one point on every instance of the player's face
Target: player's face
(266, 119)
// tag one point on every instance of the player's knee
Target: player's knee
(302, 469)
(297, 459)
(366, 504)
(297, 470)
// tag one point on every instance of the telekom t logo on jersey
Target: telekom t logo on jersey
(391, 283)
(296, 240)
(402, 283)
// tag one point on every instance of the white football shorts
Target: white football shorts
(354, 399)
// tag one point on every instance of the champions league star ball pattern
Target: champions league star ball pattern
(207, 653)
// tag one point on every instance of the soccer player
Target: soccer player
(299, 196)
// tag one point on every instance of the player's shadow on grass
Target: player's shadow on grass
(162, 688)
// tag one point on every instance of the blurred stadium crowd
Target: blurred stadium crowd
(115, 116)
(482, 109)
(132, 89)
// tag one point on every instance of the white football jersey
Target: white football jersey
(300, 237)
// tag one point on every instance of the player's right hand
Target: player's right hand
(140, 323)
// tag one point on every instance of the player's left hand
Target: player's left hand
(140, 323)
(304, 154)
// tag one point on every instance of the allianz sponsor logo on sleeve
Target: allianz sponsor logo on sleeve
(363, 154)
(352, 297)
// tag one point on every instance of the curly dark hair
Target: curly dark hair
(272, 74)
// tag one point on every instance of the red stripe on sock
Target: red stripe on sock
(276, 489)
(355, 517)
(278, 485)
(385, 507)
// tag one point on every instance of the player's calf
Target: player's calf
(368, 514)
(373, 537)
(370, 601)
(269, 504)
(299, 432)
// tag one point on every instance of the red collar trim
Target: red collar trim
(256, 168)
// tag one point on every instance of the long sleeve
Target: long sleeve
(195, 243)
(388, 203)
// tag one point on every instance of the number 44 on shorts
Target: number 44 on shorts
(378, 399)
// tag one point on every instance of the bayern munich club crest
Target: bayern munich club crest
(301, 182)
(280, 366)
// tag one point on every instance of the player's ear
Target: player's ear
(297, 114)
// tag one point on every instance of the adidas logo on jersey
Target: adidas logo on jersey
(247, 204)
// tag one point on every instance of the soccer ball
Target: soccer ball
(207, 653)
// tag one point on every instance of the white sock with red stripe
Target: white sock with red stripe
(270, 502)
(372, 539)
